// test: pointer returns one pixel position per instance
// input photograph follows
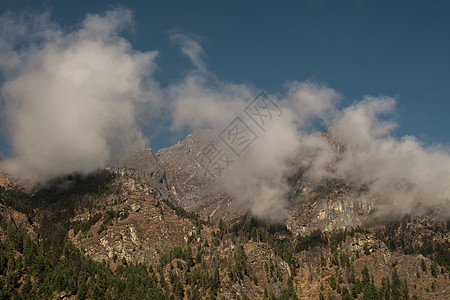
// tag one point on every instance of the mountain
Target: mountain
(191, 187)
(329, 204)
(156, 226)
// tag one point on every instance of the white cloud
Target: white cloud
(69, 101)
(190, 47)
(74, 101)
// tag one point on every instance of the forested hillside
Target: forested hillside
(55, 244)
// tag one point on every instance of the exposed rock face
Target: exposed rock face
(176, 174)
(144, 165)
(9, 213)
(18, 218)
(143, 228)
(149, 229)
(329, 204)
(189, 183)
(8, 182)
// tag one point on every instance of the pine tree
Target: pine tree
(396, 286)
(333, 282)
(365, 275)
(82, 290)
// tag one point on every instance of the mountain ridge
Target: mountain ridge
(121, 222)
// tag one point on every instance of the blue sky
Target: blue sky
(393, 48)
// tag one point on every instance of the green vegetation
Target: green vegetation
(391, 287)
(22, 261)
(86, 224)
(205, 265)
(315, 239)
(179, 211)
(42, 275)
(250, 228)
(396, 237)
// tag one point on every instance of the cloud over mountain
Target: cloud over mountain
(69, 98)
(73, 102)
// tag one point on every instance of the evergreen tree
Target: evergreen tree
(82, 290)
(333, 282)
(396, 288)
(365, 275)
